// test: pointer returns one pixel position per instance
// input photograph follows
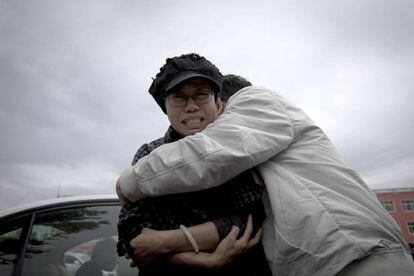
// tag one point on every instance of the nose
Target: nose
(191, 105)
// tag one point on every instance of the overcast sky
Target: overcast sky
(74, 77)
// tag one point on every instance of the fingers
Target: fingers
(233, 233)
(242, 242)
(142, 259)
(249, 228)
(255, 240)
(134, 241)
(228, 243)
(231, 247)
(231, 237)
(245, 242)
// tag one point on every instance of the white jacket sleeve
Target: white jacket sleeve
(254, 127)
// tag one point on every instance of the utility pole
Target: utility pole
(58, 191)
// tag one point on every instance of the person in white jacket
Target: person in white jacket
(322, 217)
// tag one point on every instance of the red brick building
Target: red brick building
(400, 204)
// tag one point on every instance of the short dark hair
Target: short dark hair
(177, 70)
(232, 84)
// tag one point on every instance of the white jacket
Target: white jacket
(321, 214)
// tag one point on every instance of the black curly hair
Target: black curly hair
(232, 84)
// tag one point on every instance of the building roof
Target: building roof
(393, 190)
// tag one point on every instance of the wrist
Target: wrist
(190, 238)
(210, 261)
(173, 241)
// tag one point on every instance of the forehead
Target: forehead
(191, 85)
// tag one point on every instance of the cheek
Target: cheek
(173, 115)
(212, 114)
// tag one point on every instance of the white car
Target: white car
(62, 237)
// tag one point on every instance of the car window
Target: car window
(74, 242)
(10, 243)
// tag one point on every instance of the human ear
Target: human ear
(220, 106)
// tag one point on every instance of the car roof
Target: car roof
(58, 202)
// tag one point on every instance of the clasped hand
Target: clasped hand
(148, 247)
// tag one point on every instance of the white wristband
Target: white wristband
(190, 238)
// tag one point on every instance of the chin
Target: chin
(192, 132)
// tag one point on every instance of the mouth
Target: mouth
(193, 122)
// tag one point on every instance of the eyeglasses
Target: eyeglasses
(200, 97)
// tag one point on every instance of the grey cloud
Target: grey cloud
(30, 182)
(74, 79)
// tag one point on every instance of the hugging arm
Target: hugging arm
(151, 244)
(233, 202)
(177, 250)
(226, 251)
(254, 128)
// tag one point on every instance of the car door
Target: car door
(13, 234)
(74, 240)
